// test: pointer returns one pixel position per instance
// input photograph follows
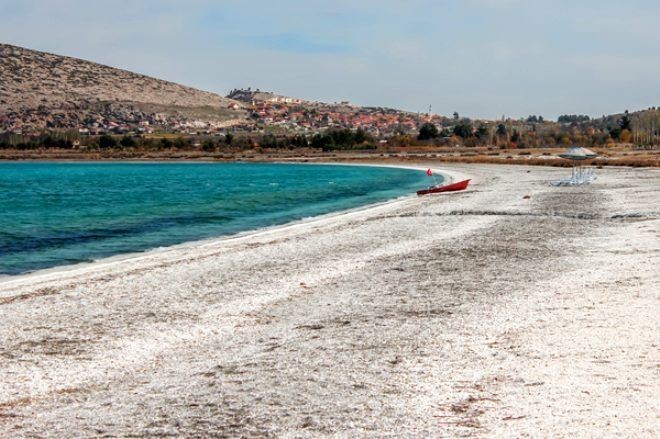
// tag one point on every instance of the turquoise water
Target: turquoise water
(55, 214)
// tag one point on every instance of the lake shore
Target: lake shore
(611, 156)
(513, 308)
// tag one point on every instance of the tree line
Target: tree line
(330, 140)
(641, 128)
(535, 132)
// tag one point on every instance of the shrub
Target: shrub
(106, 141)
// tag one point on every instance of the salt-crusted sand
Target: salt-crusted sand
(470, 314)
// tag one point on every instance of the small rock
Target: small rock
(308, 421)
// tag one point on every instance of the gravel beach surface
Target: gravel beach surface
(512, 309)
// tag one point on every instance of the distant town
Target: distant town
(59, 107)
(271, 120)
(264, 111)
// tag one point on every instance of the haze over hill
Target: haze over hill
(52, 91)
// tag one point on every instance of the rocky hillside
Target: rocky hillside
(38, 88)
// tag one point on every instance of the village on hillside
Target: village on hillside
(264, 111)
(268, 110)
(259, 118)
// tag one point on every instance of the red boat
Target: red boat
(458, 186)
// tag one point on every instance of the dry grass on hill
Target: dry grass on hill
(33, 80)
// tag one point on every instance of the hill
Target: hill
(42, 90)
(648, 119)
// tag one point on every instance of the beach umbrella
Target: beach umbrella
(577, 155)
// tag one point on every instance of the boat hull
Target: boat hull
(458, 186)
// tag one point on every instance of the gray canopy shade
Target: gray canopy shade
(580, 175)
(577, 153)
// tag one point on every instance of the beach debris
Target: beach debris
(527, 196)
(227, 370)
(311, 327)
(308, 422)
(513, 418)
(396, 360)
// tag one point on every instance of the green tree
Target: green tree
(463, 129)
(615, 132)
(625, 123)
(299, 141)
(360, 136)
(268, 141)
(181, 143)
(208, 145)
(127, 142)
(322, 141)
(482, 132)
(106, 141)
(428, 131)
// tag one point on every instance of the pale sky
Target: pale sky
(482, 58)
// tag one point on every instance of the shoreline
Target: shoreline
(108, 262)
(540, 156)
(515, 309)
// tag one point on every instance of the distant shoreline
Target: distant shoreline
(529, 157)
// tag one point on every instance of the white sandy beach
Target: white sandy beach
(481, 313)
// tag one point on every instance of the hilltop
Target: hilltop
(42, 90)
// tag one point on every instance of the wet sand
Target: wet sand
(484, 313)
